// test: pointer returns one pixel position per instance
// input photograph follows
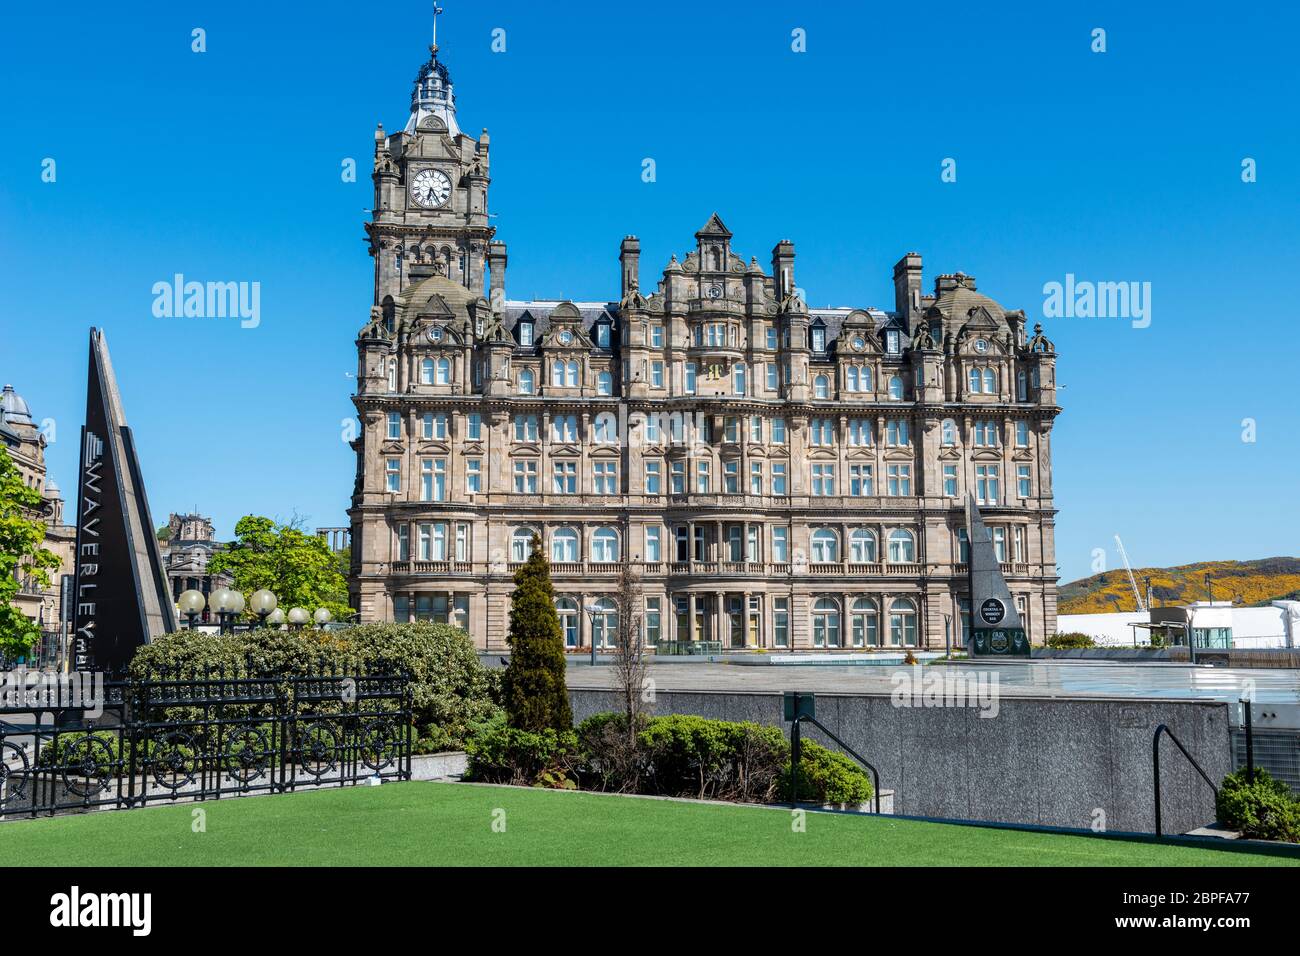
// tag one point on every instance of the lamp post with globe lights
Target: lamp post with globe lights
(263, 603)
(322, 617)
(276, 617)
(298, 616)
(191, 604)
(222, 603)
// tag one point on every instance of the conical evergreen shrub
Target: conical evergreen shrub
(536, 698)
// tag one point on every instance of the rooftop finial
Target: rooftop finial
(433, 47)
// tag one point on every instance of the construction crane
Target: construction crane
(1137, 595)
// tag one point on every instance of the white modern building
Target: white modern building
(1211, 625)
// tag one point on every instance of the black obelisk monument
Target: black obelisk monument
(996, 628)
(121, 592)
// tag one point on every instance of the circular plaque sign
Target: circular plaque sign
(992, 611)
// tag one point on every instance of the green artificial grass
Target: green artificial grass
(440, 824)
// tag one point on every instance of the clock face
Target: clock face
(431, 188)
(859, 343)
(566, 337)
(981, 345)
(715, 292)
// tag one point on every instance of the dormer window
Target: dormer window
(526, 334)
(892, 342)
(819, 338)
(602, 335)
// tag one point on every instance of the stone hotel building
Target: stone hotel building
(778, 476)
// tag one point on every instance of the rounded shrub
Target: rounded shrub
(1069, 641)
(499, 753)
(1263, 810)
(828, 777)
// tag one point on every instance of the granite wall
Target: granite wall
(1039, 761)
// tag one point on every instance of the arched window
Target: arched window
(392, 374)
(826, 623)
(864, 380)
(902, 547)
(821, 387)
(426, 372)
(1022, 386)
(902, 623)
(863, 631)
(851, 378)
(567, 609)
(949, 432)
(976, 381)
(604, 623)
(525, 382)
(564, 545)
(825, 546)
(990, 382)
(895, 388)
(604, 545)
(443, 374)
(557, 373)
(571, 375)
(521, 544)
(604, 384)
(606, 428)
(862, 546)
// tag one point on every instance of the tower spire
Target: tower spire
(437, 10)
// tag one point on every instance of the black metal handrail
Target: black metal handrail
(796, 751)
(1155, 768)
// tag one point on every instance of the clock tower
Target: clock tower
(431, 181)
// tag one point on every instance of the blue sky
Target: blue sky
(225, 165)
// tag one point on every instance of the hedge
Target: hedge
(451, 690)
(675, 756)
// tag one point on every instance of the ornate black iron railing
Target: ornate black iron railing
(203, 736)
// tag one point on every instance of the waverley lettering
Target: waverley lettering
(88, 550)
(208, 300)
(77, 909)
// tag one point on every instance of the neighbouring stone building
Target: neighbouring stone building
(187, 545)
(26, 445)
(778, 476)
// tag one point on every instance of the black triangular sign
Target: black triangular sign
(121, 596)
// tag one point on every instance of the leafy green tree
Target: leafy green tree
(21, 556)
(535, 695)
(299, 567)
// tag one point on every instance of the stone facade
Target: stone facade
(26, 444)
(778, 476)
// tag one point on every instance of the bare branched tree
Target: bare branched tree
(629, 654)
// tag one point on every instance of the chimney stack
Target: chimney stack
(629, 258)
(497, 273)
(783, 268)
(907, 288)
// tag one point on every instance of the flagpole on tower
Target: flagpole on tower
(433, 47)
